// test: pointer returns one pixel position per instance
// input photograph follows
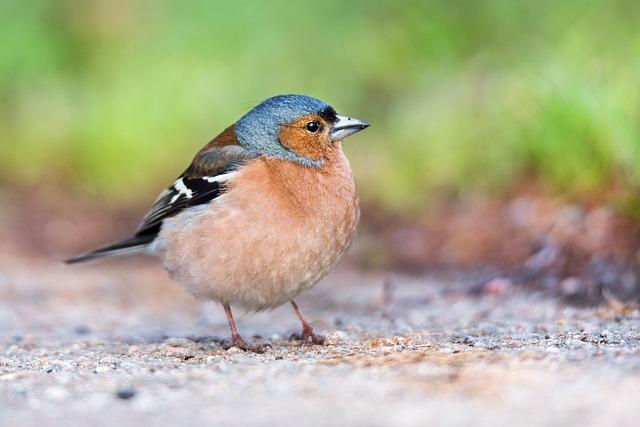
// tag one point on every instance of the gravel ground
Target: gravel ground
(118, 343)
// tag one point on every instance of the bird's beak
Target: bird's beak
(345, 126)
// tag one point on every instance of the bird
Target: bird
(264, 211)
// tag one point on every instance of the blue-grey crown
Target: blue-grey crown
(259, 130)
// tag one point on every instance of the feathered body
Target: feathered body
(257, 248)
(264, 211)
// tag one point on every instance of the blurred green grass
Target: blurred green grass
(111, 99)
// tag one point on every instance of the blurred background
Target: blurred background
(505, 135)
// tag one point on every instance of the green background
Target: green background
(112, 98)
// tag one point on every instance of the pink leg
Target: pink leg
(307, 336)
(236, 338)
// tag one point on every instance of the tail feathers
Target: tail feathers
(125, 247)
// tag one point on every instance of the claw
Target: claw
(236, 338)
(313, 338)
(308, 337)
(239, 342)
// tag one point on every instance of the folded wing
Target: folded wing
(202, 182)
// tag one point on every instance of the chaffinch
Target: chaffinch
(264, 211)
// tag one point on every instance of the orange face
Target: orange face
(308, 136)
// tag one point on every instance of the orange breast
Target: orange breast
(278, 229)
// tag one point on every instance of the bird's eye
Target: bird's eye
(312, 126)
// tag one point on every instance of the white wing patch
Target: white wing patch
(181, 189)
(220, 178)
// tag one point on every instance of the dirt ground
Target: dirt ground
(118, 343)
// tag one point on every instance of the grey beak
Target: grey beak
(345, 126)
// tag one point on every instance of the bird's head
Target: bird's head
(296, 128)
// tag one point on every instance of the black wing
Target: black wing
(202, 182)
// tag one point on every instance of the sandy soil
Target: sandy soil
(119, 344)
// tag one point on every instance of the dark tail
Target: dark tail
(129, 246)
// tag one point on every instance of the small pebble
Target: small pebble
(102, 369)
(574, 343)
(179, 352)
(336, 337)
(125, 393)
(469, 340)
(82, 330)
(52, 368)
(234, 350)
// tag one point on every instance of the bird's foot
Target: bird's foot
(239, 342)
(308, 337)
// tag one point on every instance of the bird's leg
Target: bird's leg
(236, 338)
(307, 331)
